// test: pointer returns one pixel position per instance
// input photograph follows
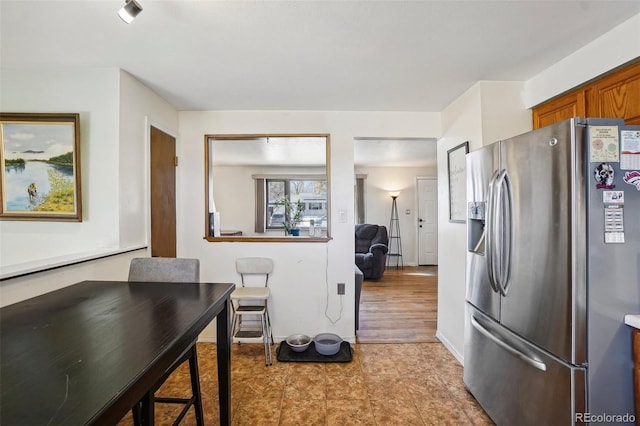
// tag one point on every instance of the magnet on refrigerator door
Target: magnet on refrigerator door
(632, 178)
(604, 175)
(605, 144)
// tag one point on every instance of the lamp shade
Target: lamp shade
(394, 194)
(129, 11)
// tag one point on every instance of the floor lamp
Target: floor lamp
(395, 242)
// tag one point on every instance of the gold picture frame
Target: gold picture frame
(40, 158)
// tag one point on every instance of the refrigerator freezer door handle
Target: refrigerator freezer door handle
(497, 232)
(490, 232)
(524, 357)
(502, 231)
(498, 236)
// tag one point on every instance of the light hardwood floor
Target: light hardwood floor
(401, 307)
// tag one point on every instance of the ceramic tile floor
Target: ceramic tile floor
(385, 384)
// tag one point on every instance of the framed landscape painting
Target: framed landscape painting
(40, 156)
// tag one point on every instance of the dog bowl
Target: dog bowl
(298, 342)
(327, 343)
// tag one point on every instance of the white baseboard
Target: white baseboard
(450, 347)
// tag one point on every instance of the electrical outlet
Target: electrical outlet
(340, 288)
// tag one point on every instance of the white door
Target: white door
(427, 221)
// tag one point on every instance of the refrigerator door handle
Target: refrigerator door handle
(536, 363)
(504, 214)
(490, 232)
(497, 235)
(495, 232)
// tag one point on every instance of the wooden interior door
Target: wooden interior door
(163, 194)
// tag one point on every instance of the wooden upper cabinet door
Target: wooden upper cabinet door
(618, 95)
(570, 105)
(615, 95)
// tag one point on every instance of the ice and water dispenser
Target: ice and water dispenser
(476, 229)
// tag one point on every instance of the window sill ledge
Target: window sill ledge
(291, 239)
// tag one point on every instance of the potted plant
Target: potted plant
(292, 215)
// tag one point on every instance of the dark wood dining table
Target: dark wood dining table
(85, 354)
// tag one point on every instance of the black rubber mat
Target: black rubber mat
(286, 354)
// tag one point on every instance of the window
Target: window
(310, 194)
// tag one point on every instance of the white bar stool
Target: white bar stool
(249, 304)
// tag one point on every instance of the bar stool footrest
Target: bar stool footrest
(249, 309)
(248, 334)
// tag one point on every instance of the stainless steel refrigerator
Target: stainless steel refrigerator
(553, 265)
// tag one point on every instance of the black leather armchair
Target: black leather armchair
(372, 245)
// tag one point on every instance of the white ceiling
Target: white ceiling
(307, 55)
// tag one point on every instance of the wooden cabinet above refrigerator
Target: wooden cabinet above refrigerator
(614, 95)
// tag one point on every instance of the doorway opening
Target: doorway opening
(400, 307)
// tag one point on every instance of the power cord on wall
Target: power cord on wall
(326, 281)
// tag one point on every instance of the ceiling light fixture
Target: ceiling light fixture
(129, 11)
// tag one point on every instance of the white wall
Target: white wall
(615, 48)
(93, 94)
(139, 108)
(503, 111)
(487, 112)
(461, 121)
(114, 108)
(115, 267)
(379, 181)
(303, 284)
